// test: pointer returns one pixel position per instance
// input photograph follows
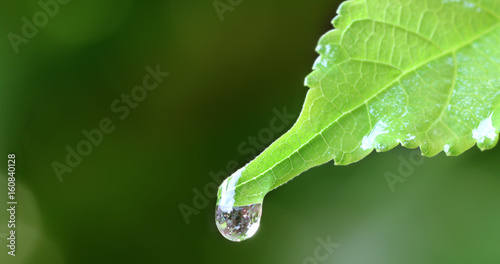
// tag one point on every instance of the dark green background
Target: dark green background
(121, 204)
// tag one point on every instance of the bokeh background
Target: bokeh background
(121, 204)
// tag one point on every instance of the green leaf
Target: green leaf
(420, 73)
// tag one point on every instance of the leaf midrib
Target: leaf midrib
(403, 73)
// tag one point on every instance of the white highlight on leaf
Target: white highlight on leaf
(465, 4)
(485, 130)
(378, 129)
(446, 148)
(226, 201)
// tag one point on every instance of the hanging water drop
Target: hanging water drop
(236, 223)
(240, 222)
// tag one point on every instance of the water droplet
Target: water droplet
(236, 223)
(240, 222)
(446, 149)
(485, 134)
(369, 140)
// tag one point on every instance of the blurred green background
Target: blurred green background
(121, 204)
